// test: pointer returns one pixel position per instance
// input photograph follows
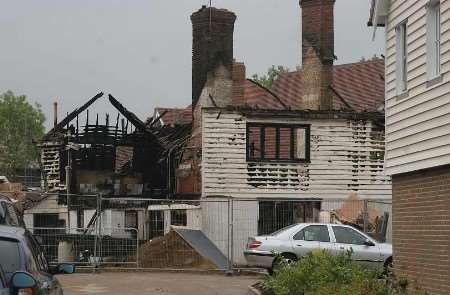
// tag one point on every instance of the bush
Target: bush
(320, 273)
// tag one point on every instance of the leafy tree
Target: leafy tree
(273, 73)
(21, 125)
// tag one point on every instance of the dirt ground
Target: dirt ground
(154, 283)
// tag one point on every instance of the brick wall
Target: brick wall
(421, 228)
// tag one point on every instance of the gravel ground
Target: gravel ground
(155, 283)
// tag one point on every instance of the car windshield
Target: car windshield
(276, 233)
(9, 256)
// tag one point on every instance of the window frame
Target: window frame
(302, 231)
(278, 126)
(401, 57)
(80, 218)
(350, 229)
(181, 213)
(433, 39)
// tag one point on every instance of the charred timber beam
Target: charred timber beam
(74, 114)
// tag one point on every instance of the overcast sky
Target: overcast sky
(140, 50)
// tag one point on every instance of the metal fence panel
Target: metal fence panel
(78, 246)
(140, 232)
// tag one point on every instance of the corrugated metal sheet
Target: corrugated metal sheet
(200, 242)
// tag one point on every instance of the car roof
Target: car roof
(12, 232)
(4, 198)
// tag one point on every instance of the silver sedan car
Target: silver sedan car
(297, 240)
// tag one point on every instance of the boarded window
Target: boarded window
(278, 142)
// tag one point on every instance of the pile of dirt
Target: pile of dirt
(171, 251)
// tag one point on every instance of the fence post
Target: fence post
(137, 248)
(366, 216)
(97, 238)
(230, 241)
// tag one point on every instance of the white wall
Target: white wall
(340, 161)
(418, 125)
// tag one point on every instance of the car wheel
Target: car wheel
(285, 259)
(389, 267)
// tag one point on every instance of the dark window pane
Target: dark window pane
(285, 143)
(131, 219)
(347, 235)
(80, 218)
(270, 143)
(274, 216)
(300, 236)
(156, 223)
(9, 256)
(178, 217)
(8, 215)
(317, 233)
(254, 143)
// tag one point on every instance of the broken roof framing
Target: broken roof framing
(121, 157)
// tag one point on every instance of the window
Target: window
(10, 256)
(131, 219)
(80, 218)
(345, 235)
(273, 215)
(36, 256)
(178, 217)
(401, 58)
(8, 215)
(278, 142)
(433, 39)
(317, 233)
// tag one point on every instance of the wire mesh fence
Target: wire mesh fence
(209, 233)
(108, 246)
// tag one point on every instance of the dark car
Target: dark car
(25, 266)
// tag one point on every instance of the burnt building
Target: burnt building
(317, 135)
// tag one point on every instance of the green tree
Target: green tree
(21, 125)
(273, 73)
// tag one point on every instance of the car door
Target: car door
(310, 238)
(4, 290)
(48, 282)
(349, 239)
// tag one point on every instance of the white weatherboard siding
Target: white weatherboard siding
(418, 125)
(340, 161)
(340, 164)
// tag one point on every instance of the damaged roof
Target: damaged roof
(130, 116)
(173, 116)
(357, 87)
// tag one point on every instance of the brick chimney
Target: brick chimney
(317, 53)
(212, 45)
(239, 79)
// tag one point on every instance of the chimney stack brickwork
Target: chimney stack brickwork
(238, 76)
(317, 53)
(212, 45)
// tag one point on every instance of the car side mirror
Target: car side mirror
(369, 243)
(22, 280)
(65, 268)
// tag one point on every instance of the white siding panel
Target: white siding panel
(417, 126)
(342, 161)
